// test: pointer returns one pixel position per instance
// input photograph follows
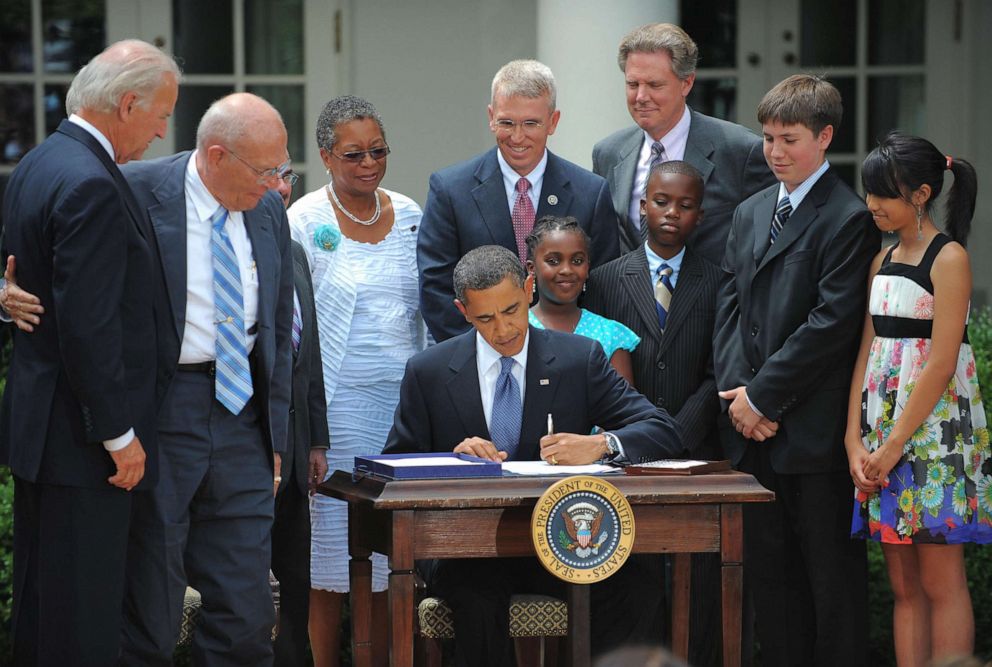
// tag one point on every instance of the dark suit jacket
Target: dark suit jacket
(441, 405)
(789, 319)
(728, 156)
(467, 208)
(87, 372)
(158, 186)
(308, 411)
(674, 368)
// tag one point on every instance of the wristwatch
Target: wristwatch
(612, 447)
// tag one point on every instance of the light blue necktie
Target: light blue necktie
(232, 382)
(506, 413)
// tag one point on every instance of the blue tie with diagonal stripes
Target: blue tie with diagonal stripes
(232, 382)
(507, 413)
(782, 213)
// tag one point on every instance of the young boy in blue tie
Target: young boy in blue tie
(788, 319)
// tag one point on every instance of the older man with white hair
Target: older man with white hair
(224, 357)
(495, 197)
(77, 424)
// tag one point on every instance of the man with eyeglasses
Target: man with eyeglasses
(495, 197)
(224, 354)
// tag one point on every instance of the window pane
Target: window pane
(193, 101)
(713, 26)
(895, 102)
(715, 97)
(72, 33)
(54, 106)
(828, 33)
(15, 36)
(844, 136)
(896, 32)
(203, 35)
(289, 101)
(16, 121)
(274, 36)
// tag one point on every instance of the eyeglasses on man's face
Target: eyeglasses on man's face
(507, 126)
(357, 156)
(266, 175)
(290, 178)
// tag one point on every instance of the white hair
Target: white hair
(526, 78)
(127, 66)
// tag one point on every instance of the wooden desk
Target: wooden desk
(488, 518)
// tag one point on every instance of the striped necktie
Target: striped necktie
(507, 413)
(657, 157)
(232, 381)
(663, 294)
(297, 323)
(782, 213)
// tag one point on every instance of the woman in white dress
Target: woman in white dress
(361, 242)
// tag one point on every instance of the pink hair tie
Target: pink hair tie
(950, 161)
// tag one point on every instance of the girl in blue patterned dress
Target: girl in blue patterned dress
(917, 441)
(558, 256)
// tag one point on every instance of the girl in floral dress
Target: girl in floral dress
(917, 441)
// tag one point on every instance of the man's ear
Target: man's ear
(461, 309)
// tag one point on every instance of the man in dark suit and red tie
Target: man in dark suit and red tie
(495, 197)
(659, 65)
(488, 392)
(77, 425)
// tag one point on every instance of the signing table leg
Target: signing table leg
(681, 583)
(360, 570)
(732, 558)
(401, 583)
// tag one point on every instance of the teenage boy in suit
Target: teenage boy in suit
(666, 293)
(788, 315)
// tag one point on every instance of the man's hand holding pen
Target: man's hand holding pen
(570, 449)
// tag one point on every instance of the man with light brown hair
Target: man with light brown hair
(659, 65)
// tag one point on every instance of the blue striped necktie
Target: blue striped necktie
(232, 382)
(507, 412)
(782, 213)
(663, 294)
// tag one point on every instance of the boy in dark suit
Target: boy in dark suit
(666, 293)
(788, 320)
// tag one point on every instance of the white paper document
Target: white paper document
(422, 461)
(545, 468)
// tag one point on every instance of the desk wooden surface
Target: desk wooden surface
(490, 517)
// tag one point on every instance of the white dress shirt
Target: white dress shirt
(121, 441)
(200, 332)
(488, 363)
(674, 142)
(510, 178)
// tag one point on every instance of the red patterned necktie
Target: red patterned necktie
(523, 217)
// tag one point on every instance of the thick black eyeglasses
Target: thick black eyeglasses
(357, 156)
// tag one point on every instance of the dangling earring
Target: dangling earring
(533, 289)
(583, 288)
(919, 223)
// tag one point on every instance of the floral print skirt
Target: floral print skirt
(940, 492)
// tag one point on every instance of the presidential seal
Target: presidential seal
(583, 529)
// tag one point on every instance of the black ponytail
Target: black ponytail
(902, 163)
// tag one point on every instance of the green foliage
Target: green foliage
(980, 335)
